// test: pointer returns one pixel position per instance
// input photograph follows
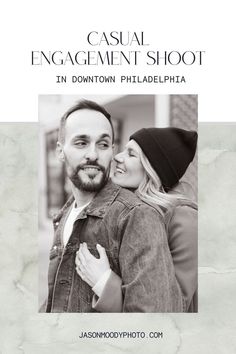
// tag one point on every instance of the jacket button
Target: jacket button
(64, 281)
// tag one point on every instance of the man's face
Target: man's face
(87, 149)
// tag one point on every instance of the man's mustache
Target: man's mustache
(89, 164)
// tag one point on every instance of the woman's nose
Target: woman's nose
(119, 157)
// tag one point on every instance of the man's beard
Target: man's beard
(88, 182)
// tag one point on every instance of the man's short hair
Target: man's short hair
(84, 104)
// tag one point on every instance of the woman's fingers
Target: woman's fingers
(83, 276)
(79, 272)
(85, 256)
(101, 250)
(83, 250)
(81, 257)
(103, 257)
(77, 258)
(80, 266)
(86, 253)
(91, 268)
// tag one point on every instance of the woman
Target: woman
(152, 164)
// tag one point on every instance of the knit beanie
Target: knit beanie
(169, 151)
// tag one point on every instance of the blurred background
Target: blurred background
(129, 113)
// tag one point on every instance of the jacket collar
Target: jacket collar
(98, 206)
(103, 199)
(63, 210)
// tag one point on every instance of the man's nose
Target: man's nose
(91, 153)
(119, 157)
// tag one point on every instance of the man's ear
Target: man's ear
(60, 152)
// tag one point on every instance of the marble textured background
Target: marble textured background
(24, 330)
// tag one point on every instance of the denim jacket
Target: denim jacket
(181, 226)
(135, 240)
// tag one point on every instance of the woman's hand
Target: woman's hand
(90, 268)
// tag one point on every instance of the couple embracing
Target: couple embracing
(126, 243)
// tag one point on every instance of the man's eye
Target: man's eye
(103, 145)
(80, 143)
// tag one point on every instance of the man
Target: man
(131, 232)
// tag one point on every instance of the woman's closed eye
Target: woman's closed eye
(131, 153)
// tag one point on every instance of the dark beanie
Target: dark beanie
(169, 151)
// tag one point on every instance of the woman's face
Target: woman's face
(128, 172)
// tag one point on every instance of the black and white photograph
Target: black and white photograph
(118, 203)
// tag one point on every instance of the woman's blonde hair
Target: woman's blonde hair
(150, 189)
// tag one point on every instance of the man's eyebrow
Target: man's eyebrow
(82, 136)
(87, 137)
(103, 136)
